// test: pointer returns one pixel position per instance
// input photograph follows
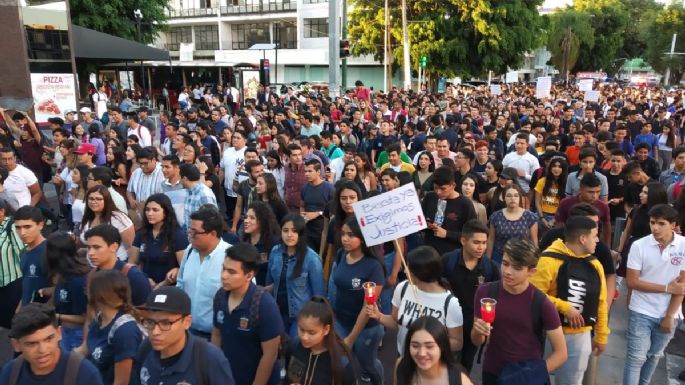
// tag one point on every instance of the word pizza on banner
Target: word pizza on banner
(389, 216)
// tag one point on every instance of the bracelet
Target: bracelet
(666, 288)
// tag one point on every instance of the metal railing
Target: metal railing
(260, 7)
(191, 12)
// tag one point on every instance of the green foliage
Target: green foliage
(569, 30)
(659, 33)
(608, 20)
(640, 14)
(466, 38)
(115, 17)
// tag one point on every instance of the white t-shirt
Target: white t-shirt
(122, 223)
(431, 304)
(18, 182)
(656, 267)
(69, 185)
(230, 161)
(143, 135)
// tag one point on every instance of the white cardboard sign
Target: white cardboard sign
(543, 87)
(496, 89)
(389, 216)
(585, 85)
(512, 77)
(592, 96)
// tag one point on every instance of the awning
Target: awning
(97, 45)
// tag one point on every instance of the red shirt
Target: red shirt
(363, 94)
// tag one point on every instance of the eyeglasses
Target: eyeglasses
(193, 232)
(95, 199)
(164, 324)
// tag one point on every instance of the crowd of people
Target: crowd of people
(220, 245)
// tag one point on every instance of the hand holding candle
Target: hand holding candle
(487, 309)
(369, 292)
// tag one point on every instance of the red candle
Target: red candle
(487, 309)
(369, 292)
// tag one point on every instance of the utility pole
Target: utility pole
(667, 75)
(405, 48)
(344, 37)
(386, 73)
(333, 50)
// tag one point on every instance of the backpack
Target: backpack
(124, 270)
(578, 282)
(199, 358)
(121, 321)
(455, 257)
(445, 306)
(70, 375)
(677, 189)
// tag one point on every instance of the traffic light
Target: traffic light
(344, 48)
(424, 60)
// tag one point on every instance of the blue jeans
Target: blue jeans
(579, 348)
(646, 344)
(386, 293)
(366, 350)
(71, 338)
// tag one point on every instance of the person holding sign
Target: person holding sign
(355, 265)
(446, 211)
(427, 295)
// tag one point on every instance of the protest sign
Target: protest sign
(592, 96)
(389, 216)
(496, 89)
(543, 87)
(585, 84)
(512, 77)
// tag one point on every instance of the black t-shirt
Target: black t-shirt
(617, 189)
(307, 368)
(602, 252)
(457, 212)
(632, 194)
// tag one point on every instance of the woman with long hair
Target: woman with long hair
(100, 208)
(550, 190)
(207, 170)
(114, 335)
(513, 221)
(94, 138)
(495, 196)
(637, 224)
(367, 175)
(116, 160)
(425, 165)
(430, 292)
(320, 355)
(274, 166)
(346, 194)
(352, 172)
(294, 271)
(78, 133)
(491, 177)
(132, 159)
(468, 187)
(267, 191)
(68, 271)
(427, 358)
(355, 265)
(63, 181)
(79, 178)
(667, 140)
(260, 229)
(159, 244)
(191, 152)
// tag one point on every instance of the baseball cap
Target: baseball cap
(85, 110)
(85, 148)
(169, 299)
(67, 112)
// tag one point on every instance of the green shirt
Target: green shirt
(383, 159)
(10, 249)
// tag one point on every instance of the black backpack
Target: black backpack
(70, 374)
(579, 283)
(199, 359)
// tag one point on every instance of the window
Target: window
(316, 27)
(285, 34)
(314, 1)
(246, 35)
(178, 35)
(206, 37)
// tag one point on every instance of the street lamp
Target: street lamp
(138, 15)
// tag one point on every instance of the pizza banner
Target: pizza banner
(53, 95)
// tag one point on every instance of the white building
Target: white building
(219, 32)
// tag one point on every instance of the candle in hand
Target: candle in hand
(369, 292)
(487, 309)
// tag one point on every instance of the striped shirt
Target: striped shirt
(197, 196)
(143, 185)
(10, 249)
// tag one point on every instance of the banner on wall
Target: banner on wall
(53, 94)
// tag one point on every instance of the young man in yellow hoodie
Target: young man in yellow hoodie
(574, 281)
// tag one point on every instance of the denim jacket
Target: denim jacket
(300, 289)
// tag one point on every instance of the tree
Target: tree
(660, 30)
(458, 37)
(115, 17)
(640, 12)
(608, 19)
(568, 30)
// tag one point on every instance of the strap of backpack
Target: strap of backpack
(126, 268)
(143, 351)
(555, 255)
(404, 290)
(199, 354)
(447, 305)
(254, 306)
(119, 322)
(16, 370)
(452, 260)
(536, 316)
(73, 364)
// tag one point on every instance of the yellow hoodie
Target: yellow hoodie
(545, 279)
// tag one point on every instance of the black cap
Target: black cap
(169, 299)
